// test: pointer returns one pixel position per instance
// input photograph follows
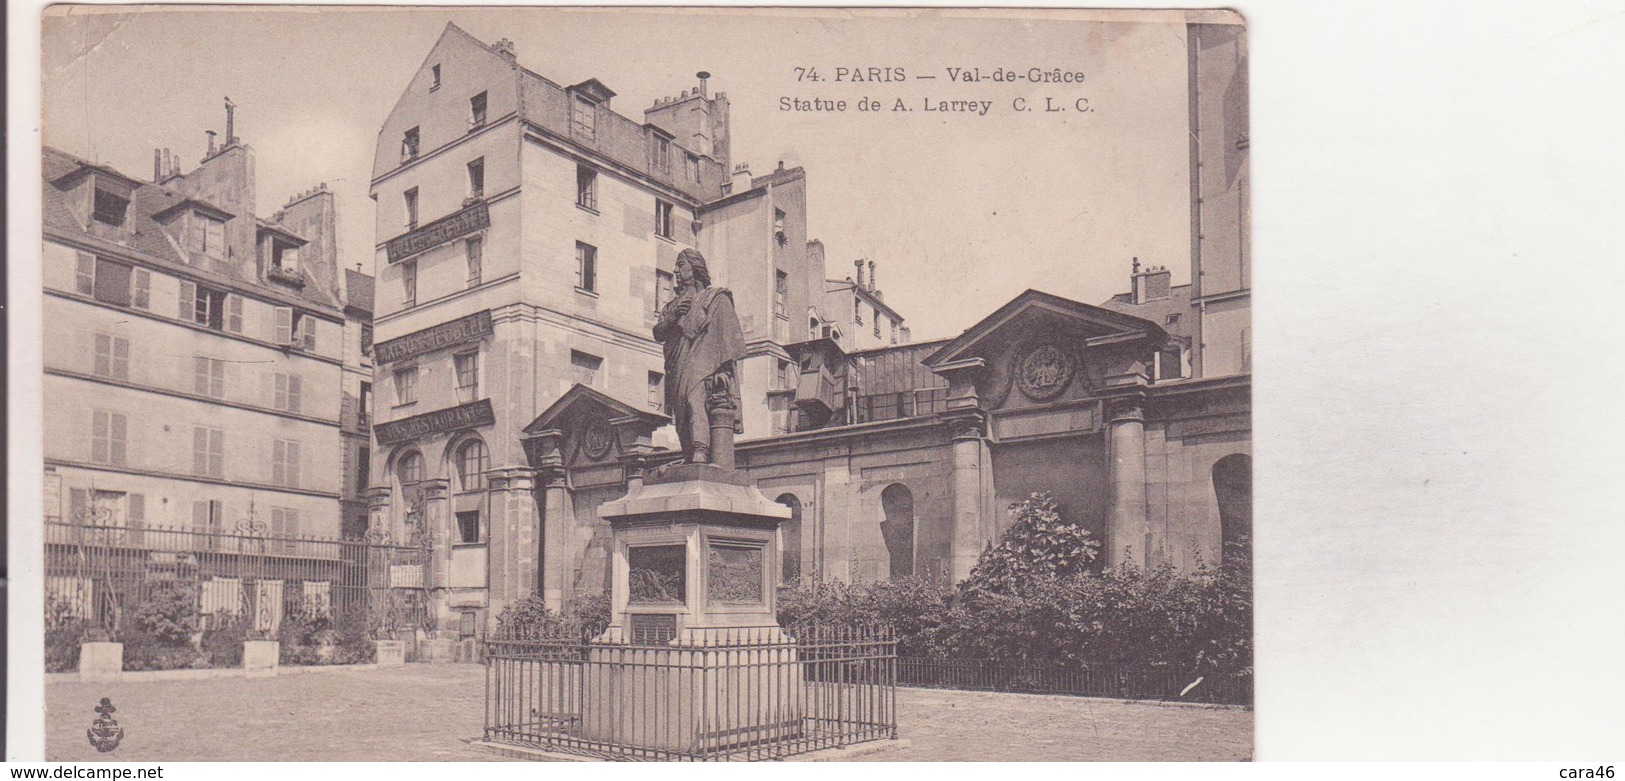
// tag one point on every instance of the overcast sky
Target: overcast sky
(960, 212)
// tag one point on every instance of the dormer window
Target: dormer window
(660, 155)
(585, 118)
(410, 145)
(285, 262)
(110, 206)
(208, 236)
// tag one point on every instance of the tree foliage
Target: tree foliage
(1038, 544)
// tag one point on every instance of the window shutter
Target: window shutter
(200, 515)
(279, 462)
(200, 450)
(84, 274)
(295, 392)
(99, 435)
(78, 501)
(121, 358)
(284, 325)
(217, 378)
(234, 313)
(141, 294)
(200, 375)
(280, 391)
(310, 333)
(104, 355)
(116, 441)
(217, 452)
(188, 307)
(293, 464)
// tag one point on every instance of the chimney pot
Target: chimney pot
(859, 265)
(702, 76)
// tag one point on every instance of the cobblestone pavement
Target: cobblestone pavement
(428, 712)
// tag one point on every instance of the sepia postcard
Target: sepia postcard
(645, 383)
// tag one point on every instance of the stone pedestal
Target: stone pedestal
(389, 653)
(694, 659)
(260, 658)
(101, 661)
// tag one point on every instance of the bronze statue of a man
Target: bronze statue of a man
(702, 339)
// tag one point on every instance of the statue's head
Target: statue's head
(691, 270)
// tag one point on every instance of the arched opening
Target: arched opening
(409, 476)
(472, 459)
(791, 531)
(1233, 488)
(897, 503)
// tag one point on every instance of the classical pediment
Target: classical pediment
(1041, 349)
(587, 426)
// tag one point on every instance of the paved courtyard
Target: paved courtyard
(429, 712)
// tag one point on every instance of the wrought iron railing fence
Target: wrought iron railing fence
(98, 573)
(750, 693)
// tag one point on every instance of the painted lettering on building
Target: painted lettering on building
(448, 228)
(463, 329)
(443, 421)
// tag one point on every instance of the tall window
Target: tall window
(108, 432)
(285, 458)
(209, 377)
(657, 391)
(781, 293)
(662, 218)
(585, 118)
(434, 83)
(586, 188)
(112, 356)
(288, 392)
(409, 145)
(363, 468)
(366, 339)
(406, 385)
(665, 290)
(111, 283)
(472, 462)
(878, 318)
(586, 267)
(208, 236)
(467, 366)
(285, 525)
(857, 310)
(475, 248)
(476, 178)
(778, 227)
(468, 530)
(661, 156)
(585, 367)
(476, 111)
(692, 167)
(211, 308)
(365, 404)
(782, 379)
(409, 283)
(410, 201)
(208, 451)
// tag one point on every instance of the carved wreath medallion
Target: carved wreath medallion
(596, 438)
(1044, 371)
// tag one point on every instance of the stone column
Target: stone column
(436, 533)
(1127, 536)
(556, 523)
(515, 535)
(970, 461)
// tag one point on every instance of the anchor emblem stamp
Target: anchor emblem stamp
(105, 733)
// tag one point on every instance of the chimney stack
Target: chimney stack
(702, 76)
(157, 165)
(505, 48)
(741, 178)
(871, 276)
(859, 264)
(210, 134)
(1151, 284)
(231, 123)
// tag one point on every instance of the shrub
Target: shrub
(159, 628)
(222, 642)
(64, 632)
(531, 619)
(1038, 543)
(913, 608)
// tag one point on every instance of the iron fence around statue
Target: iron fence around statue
(98, 574)
(1095, 681)
(718, 694)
